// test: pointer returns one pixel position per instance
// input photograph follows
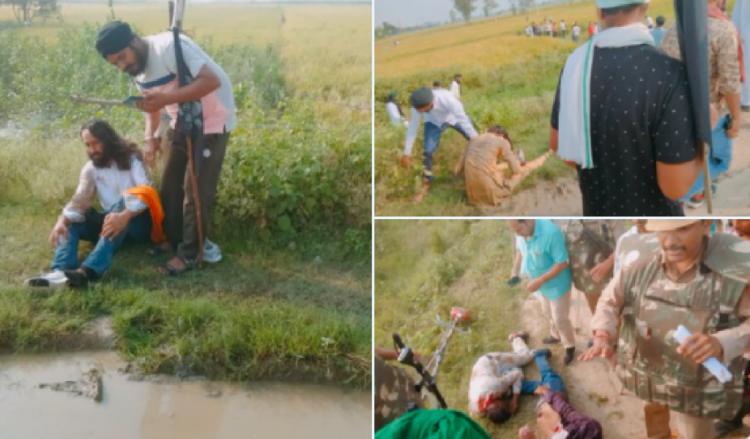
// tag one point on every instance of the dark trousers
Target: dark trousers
(180, 216)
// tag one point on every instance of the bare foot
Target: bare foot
(526, 433)
(405, 161)
(421, 194)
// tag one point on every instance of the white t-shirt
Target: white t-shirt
(447, 110)
(456, 89)
(576, 30)
(396, 118)
(562, 26)
(109, 184)
(161, 75)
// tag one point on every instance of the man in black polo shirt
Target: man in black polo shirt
(622, 116)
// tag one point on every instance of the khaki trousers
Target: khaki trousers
(557, 313)
(688, 427)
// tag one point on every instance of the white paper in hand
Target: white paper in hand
(713, 365)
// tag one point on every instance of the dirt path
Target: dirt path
(592, 386)
(561, 197)
(733, 194)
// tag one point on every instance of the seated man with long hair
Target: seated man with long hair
(131, 209)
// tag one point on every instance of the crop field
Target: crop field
(508, 79)
(292, 299)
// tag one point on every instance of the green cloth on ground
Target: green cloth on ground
(433, 424)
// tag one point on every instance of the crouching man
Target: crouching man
(131, 210)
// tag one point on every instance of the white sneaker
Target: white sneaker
(211, 252)
(53, 280)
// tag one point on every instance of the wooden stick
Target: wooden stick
(196, 198)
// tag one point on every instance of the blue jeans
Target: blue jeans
(100, 258)
(432, 134)
(550, 378)
(721, 160)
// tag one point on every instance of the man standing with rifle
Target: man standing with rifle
(171, 81)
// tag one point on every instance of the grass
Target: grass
(423, 268)
(259, 314)
(297, 308)
(250, 24)
(509, 79)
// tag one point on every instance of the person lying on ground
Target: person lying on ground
(131, 210)
(394, 389)
(557, 419)
(640, 107)
(497, 380)
(486, 181)
(441, 110)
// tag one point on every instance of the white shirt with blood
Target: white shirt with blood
(160, 75)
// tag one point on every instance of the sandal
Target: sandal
(169, 268)
(159, 249)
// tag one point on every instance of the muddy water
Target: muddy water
(151, 410)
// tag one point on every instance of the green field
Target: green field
(509, 79)
(292, 299)
(425, 267)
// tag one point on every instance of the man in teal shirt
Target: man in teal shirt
(547, 265)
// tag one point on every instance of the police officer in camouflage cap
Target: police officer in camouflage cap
(394, 389)
(678, 275)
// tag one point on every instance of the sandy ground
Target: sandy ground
(592, 386)
(563, 197)
(733, 194)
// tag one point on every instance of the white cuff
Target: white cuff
(133, 203)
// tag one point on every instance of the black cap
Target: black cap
(421, 97)
(113, 37)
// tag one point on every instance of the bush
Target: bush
(286, 170)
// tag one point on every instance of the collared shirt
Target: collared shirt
(446, 110)
(543, 250)
(723, 59)
(734, 341)
(160, 75)
(492, 377)
(109, 184)
(521, 247)
(640, 115)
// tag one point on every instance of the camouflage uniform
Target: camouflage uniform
(585, 253)
(394, 392)
(650, 306)
(723, 57)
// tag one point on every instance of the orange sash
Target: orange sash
(148, 195)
